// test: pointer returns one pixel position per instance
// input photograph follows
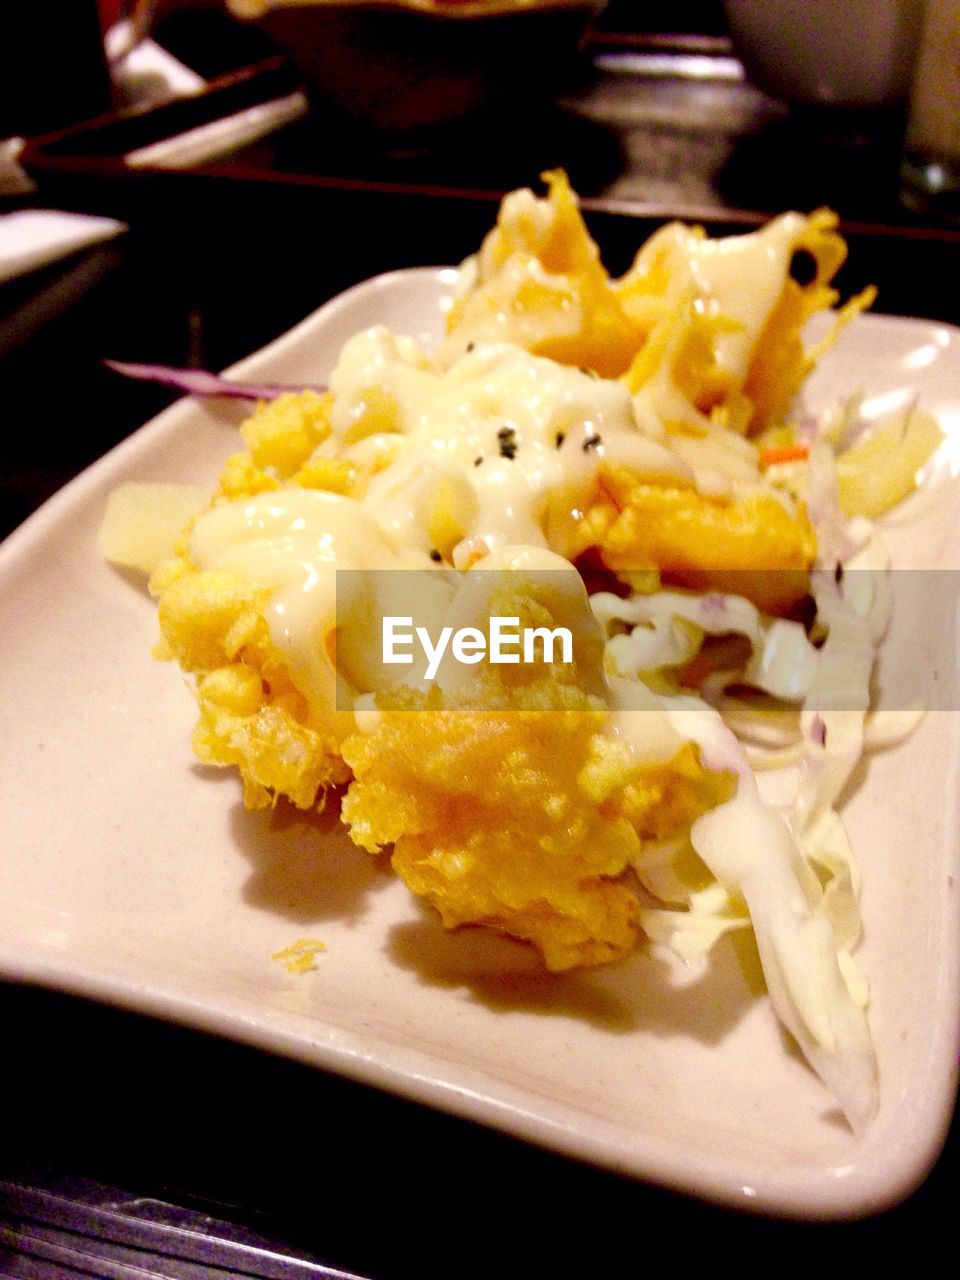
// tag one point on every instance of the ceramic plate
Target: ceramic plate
(133, 875)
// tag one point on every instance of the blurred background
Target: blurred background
(252, 176)
(737, 108)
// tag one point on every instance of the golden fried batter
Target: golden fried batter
(524, 820)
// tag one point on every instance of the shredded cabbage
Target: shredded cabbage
(785, 695)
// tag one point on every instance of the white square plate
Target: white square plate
(133, 875)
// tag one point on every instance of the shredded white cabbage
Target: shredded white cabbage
(789, 874)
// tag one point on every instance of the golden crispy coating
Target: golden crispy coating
(540, 283)
(753, 546)
(781, 362)
(524, 820)
(281, 434)
(251, 714)
(514, 809)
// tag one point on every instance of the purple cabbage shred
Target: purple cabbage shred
(199, 382)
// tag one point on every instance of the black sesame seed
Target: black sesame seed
(803, 267)
(588, 373)
(435, 555)
(477, 461)
(470, 347)
(591, 443)
(838, 573)
(508, 449)
(506, 433)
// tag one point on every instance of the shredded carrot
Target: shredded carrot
(775, 453)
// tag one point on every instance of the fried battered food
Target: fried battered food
(709, 330)
(661, 487)
(539, 850)
(754, 546)
(583, 426)
(252, 714)
(538, 281)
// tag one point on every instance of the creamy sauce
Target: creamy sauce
(500, 450)
(739, 277)
(498, 283)
(554, 581)
(291, 543)
(639, 720)
(495, 441)
(476, 459)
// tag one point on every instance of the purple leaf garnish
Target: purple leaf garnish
(199, 382)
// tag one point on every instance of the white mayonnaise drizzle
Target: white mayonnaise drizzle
(502, 439)
(738, 277)
(290, 543)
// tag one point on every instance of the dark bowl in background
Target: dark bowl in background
(395, 65)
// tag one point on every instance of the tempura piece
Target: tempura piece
(537, 281)
(703, 330)
(508, 802)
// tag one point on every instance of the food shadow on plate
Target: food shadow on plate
(304, 866)
(640, 994)
(135, 579)
(860, 775)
